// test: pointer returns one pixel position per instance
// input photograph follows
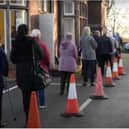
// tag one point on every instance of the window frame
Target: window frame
(73, 9)
(3, 3)
(24, 3)
(73, 26)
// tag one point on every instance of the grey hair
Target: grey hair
(68, 36)
(36, 33)
(86, 31)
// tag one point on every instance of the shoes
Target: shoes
(93, 84)
(2, 125)
(61, 93)
(84, 84)
(41, 107)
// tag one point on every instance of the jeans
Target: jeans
(89, 70)
(41, 97)
(65, 78)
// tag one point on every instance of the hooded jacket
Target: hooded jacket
(68, 55)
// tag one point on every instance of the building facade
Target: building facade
(53, 17)
(15, 12)
(12, 13)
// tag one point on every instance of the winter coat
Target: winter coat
(68, 55)
(3, 66)
(45, 61)
(22, 56)
(98, 49)
(88, 46)
(106, 45)
(3, 63)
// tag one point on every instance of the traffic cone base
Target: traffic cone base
(98, 97)
(72, 106)
(110, 85)
(121, 70)
(108, 80)
(80, 114)
(115, 76)
(123, 74)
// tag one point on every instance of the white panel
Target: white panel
(46, 27)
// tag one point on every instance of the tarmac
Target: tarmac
(110, 113)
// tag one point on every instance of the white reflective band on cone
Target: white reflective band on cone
(108, 72)
(72, 91)
(120, 63)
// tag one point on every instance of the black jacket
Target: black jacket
(3, 63)
(106, 45)
(22, 56)
(3, 67)
(98, 49)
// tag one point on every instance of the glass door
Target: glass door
(13, 19)
(17, 17)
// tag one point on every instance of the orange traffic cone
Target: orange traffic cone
(72, 108)
(33, 118)
(108, 79)
(99, 91)
(121, 70)
(115, 70)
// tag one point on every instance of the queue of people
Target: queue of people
(95, 50)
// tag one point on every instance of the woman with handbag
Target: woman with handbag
(67, 61)
(44, 63)
(22, 56)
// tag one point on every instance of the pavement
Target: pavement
(110, 113)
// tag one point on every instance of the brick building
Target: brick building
(53, 17)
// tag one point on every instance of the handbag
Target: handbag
(40, 79)
(45, 76)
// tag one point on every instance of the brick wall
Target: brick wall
(33, 14)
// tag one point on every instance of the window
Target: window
(45, 5)
(19, 2)
(18, 17)
(68, 7)
(69, 26)
(2, 1)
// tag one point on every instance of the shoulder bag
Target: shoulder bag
(40, 79)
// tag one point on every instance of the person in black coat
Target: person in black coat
(22, 56)
(97, 38)
(106, 51)
(3, 73)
